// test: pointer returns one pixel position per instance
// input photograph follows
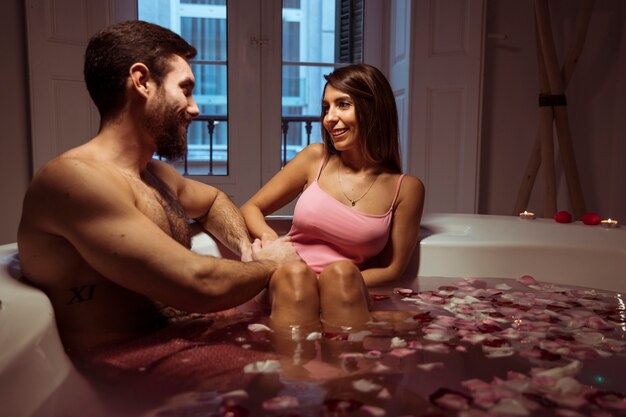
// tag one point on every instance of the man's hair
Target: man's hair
(376, 113)
(113, 50)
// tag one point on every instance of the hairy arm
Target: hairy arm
(393, 260)
(283, 188)
(224, 221)
(211, 208)
(93, 208)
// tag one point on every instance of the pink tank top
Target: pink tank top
(324, 230)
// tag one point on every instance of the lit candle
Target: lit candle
(527, 215)
(609, 223)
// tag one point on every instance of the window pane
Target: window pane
(318, 35)
(202, 23)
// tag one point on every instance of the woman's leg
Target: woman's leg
(294, 296)
(295, 313)
(344, 299)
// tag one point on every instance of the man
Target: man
(104, 229)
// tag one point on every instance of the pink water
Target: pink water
(451, 347)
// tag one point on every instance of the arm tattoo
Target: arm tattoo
(82, 293)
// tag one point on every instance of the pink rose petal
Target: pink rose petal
(280, 403)
(450, 400)
(374, 411)
(510, 406)
(430, 366)
(527, 280)
(401, 352)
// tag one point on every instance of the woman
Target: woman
(356, 223)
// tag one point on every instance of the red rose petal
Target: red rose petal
(496, 342)
(233, 411)
(335, 336)
(424, 317)
(488, 328)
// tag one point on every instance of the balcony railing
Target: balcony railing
(211, 158)
(286, 152)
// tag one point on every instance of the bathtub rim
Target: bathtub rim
(35, 362)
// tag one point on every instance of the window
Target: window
(317, 36)
(203, 24)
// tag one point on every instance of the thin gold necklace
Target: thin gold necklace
(353, 202)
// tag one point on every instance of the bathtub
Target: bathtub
(36, 377)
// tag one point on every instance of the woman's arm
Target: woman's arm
(393, 260)
(283, 188)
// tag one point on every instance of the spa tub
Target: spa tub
(36, 375)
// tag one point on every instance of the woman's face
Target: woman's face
(339, 118)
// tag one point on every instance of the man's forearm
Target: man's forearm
(224, 222)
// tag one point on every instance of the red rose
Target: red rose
(563, 217)
(591, 218)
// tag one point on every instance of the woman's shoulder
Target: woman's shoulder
(411, 182)
(315, 151)
(312, 154)
(305, 165)
(412, 188)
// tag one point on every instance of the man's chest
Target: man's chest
(163, 209)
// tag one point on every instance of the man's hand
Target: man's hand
(278, 250)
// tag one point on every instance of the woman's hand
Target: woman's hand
(279, 250)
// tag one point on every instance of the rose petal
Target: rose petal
(527, 280)
(375, 411)
(430, 366)
(397, 342)
(262, 367)
(510, 406)
(378, 297)
(450, 400)
(401, 352)
(364, 385)
(280, 403)
(314, 336)
(258, 327)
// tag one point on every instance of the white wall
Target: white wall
(14, 131)
(596, 106)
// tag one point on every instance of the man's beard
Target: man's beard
(170, 131)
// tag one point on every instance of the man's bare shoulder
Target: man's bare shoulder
(67, 173)
(67, 184)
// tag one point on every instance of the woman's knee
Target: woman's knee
(342, 279)
(340, 273)
(294, 281)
